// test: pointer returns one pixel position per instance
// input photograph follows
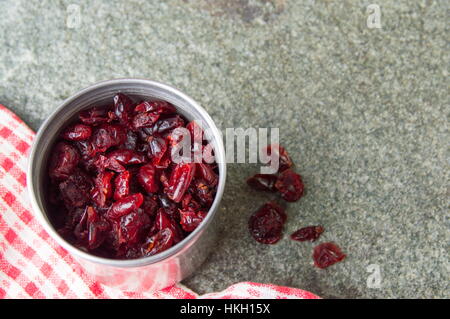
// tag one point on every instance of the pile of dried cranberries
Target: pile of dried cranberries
(266, 224)
(113, 188)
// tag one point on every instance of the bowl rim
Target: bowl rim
(127, 263)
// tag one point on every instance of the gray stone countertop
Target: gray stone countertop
(363, 112)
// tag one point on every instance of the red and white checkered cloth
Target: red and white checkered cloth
(33, 265)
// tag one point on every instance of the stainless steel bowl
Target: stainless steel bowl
(144, 274)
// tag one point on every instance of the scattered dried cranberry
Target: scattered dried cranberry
(285, 161)
(290, 185)
(310, 233)
(266, 224)
(327, 254)
(113, 188)
(263, 182)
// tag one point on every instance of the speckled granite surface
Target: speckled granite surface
(363, 112)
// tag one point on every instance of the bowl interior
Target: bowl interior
(102, 94)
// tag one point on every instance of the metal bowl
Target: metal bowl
(144, 274)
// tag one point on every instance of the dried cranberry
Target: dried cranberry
(86, 149)
(162, 221)
(168, 123)
(123, 107)
(158, 107)
(147, 119)
(63, 161)
(327, 254)
(103, 189)
(96, 228)
(126, 157)
(206, 172)
(94, 116)
(263, 182)
(266, 224)
(290, 185)
(196, 132)
(77, 132)
(75, 189)
(122, 185)
(108, 135)
(162, 240)
(179, 181)
(275, 150)
(310, 233)
(125, 206)
(148, 179)
(157, 149)
(203, 192)
(133, 226)
(170, 207)
(132, 141)
(190, 219)
(149, 206)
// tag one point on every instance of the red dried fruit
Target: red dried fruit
(168, 123)
(263, 182)
(179, 181)
(206, 172)
(266, 224)
(133, 227)
(103, 189)
(159, 107)
(77, 132)
(170, 207)
(157, 149)
(64, 159)
(148, 179)
(290, 185)
(162, 221)
(132, 141)
(284, 160)
(196, 132)
(96, 228)
(123, 108)
(126, 157)
(327, 254)
(310, 233)
(122, 185)
(106, 136)
(147, 119)
(203, 192)
(162, 240)
(86, 149)
(125, 206)
(75, 189)
(94, 116)
(190, 219)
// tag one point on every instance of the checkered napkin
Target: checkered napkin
(32, 265)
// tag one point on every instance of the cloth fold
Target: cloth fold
(33, 265)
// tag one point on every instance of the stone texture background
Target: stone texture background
(363, 112)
